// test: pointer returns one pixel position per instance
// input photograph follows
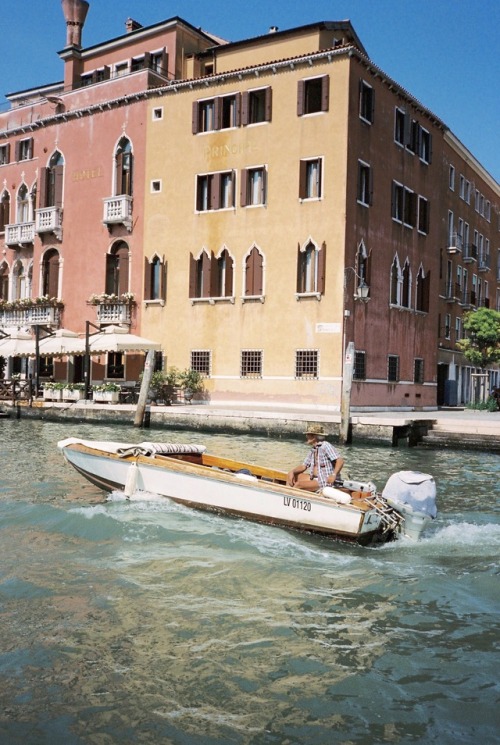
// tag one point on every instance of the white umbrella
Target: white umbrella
(118, 339)
(17, 344)
(62, 342)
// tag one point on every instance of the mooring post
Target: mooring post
(143, 393)
(345, 404)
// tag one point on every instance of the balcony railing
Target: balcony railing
(483, 263)
(470, 252)
(452, 291)
(33, 315)
(19, 234)
(49, 220)
(455, 243)
(118, 211)
(113, 313)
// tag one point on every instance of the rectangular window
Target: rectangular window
(313, 95)
(397, 201)
(230, 111)
(399, 126)
(251, 363)
(451, 178)
(253, 187)
(418, 370)
(306, 364)
(359, 371)
(423, 215)
(206, 115)
(201, 361)
(410, 208)
(425, 145)
(121, 68)
(115, 367)
(392, 368)
(366, 102)
(447, 326)
(24, 149)
(364, 184)
(215, 191)
(256, 106)
(310, 178)
(413, 139)
(4, 154)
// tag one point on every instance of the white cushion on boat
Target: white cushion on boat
(336, 494)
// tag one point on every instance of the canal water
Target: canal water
(146, 622)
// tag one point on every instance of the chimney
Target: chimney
(75, 13)
(132, 25)
(273, 29)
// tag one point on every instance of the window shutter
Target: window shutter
(325, 92)
(53, 278)
(244, 187)
(17, 152)
(372, 105)
(42, 188)
(300, 97)
(217, 112)
(258, 273)
(299, 270)
(407, 129)
(237, 113)
(163, 279)
(147, 279)
(164, 63)
(195, 118)
(215, 191)
(428, 217)
(118, 173)
(58, 186)
(122, 270)
(269, 104)
(370, 185)
(228, 289)
(245, 109)
(303, 179)
(7, 152)
(426, 292)
(430, 147)
(193, 271)
(30, 148)
(249, 272)
(147, 60)
(321, 269)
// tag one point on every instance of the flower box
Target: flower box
(76, 394)
(52, 394)
(110, 397)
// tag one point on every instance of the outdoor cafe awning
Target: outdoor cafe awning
(118, 339)
(17, 344)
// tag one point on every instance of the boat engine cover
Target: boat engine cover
(411, 491)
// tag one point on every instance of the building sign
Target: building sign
(328, 328)
(87, 173)
(214, 152)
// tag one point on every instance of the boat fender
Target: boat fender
(246, 475)
(131, 481)
(339, 496)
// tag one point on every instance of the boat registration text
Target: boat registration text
(298, 504)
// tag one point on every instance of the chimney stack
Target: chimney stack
(75, 13)
(131, 25)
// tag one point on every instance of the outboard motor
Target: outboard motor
(413, 495)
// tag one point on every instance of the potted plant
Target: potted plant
(53, 391)
(191, 382)
(106, 392)
(73, 392)
(163, 384)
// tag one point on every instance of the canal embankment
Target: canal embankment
(451, 428)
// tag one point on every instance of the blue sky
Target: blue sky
(444, 52)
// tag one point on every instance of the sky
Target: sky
(444, 52)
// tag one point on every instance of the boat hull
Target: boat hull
(233, 494)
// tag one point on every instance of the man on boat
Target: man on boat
(321, 467)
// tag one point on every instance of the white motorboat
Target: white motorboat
(351, 510)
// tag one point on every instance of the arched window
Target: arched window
(117, 262)
(254, 273)
(406, 285)
(155, 279)
(19, 281)
(4, 281)
(50, 273)
(200, 275)
(4, 210)
(395, 282)
(422, 290)
(23, 204)
(224, 287)
(51, 182)
(311, 268)
(123, 168)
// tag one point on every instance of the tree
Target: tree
(482, 344)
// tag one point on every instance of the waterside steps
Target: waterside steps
(455, 435)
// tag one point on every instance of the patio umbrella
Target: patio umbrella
(62, 342)
(118, 339)
(17, 344)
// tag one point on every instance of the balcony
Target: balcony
(470, 253)
(118, 211)
(113, 313)
(19, 234)
(27, 312)
(455, 243)
(49, 220)
(452, 292)
(484, 263)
